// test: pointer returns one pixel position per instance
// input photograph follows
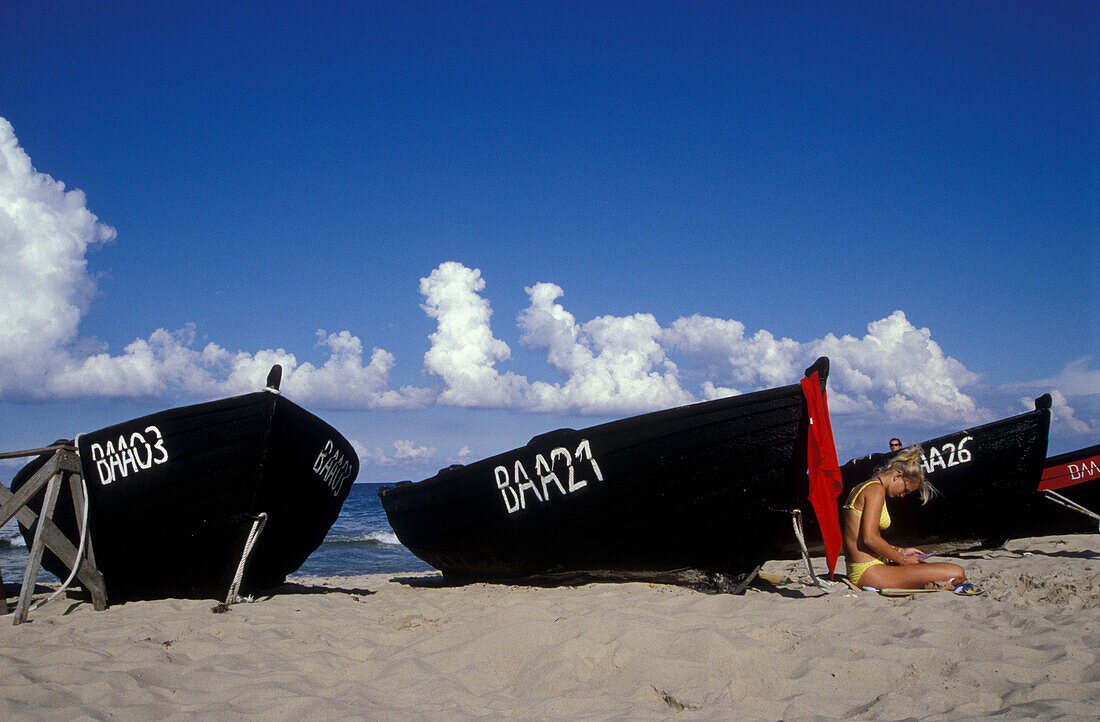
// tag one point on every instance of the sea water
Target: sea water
(360, 542)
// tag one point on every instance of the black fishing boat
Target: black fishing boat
(706, 487)
(1075, 478)
(173, 496)
(985, 477)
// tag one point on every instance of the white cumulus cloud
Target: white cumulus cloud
(721, 346)
(1079, 381)
(404, 451)
(1077, 378)
(464, 352)
(903, 363)
(603, 365)
(611, 363)
(45, 288)
(46, 232)
(1062, 415)
(626, 364)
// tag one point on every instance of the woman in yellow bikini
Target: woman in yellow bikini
(871, 560)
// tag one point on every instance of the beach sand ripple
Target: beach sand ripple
(383, 647)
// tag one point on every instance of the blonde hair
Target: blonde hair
(908, 462)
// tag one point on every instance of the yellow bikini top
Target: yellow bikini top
(884, 518)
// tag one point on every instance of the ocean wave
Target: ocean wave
(372, 537)
(10, 537)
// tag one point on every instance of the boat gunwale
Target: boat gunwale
(661, 416)
(1064, 458)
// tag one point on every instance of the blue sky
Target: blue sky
(460, 225)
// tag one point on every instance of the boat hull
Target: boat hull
(1076, 476)
(706, 487)
(985, 477)
(172, 496)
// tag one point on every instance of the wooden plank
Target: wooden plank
(59, 544)
(64, 462)
(31, 452)
(39, 546)
(888, 592)
(14, 502)
(95, 584)
(68, 460)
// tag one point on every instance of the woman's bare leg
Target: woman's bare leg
(911, 576)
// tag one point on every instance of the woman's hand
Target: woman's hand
(909, 555)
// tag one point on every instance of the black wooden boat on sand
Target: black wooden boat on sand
(706, 487)
(1075, 477)
(173, 496)
(985, 477)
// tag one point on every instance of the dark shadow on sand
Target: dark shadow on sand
(794, 591)
(11, 590)
(693, 579)
(434, 581)
(76, 597)
(298, 588)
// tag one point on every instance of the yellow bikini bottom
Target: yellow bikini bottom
(855, 571)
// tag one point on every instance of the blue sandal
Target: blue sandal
(967, 589)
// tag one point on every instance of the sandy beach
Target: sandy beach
(401, 647)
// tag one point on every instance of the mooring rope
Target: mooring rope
(79, 552)
(257, 527)
(796, 521)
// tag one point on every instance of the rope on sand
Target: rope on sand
(257, 527)
(824, 585)
(796, 522)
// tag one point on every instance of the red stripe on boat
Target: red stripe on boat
(1070, 473)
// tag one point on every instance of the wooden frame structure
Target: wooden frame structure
(63, 465)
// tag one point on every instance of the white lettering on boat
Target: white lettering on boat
(948, 455)
(332, 467)
(1085, 470)
(129, 455)
(557, 474)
